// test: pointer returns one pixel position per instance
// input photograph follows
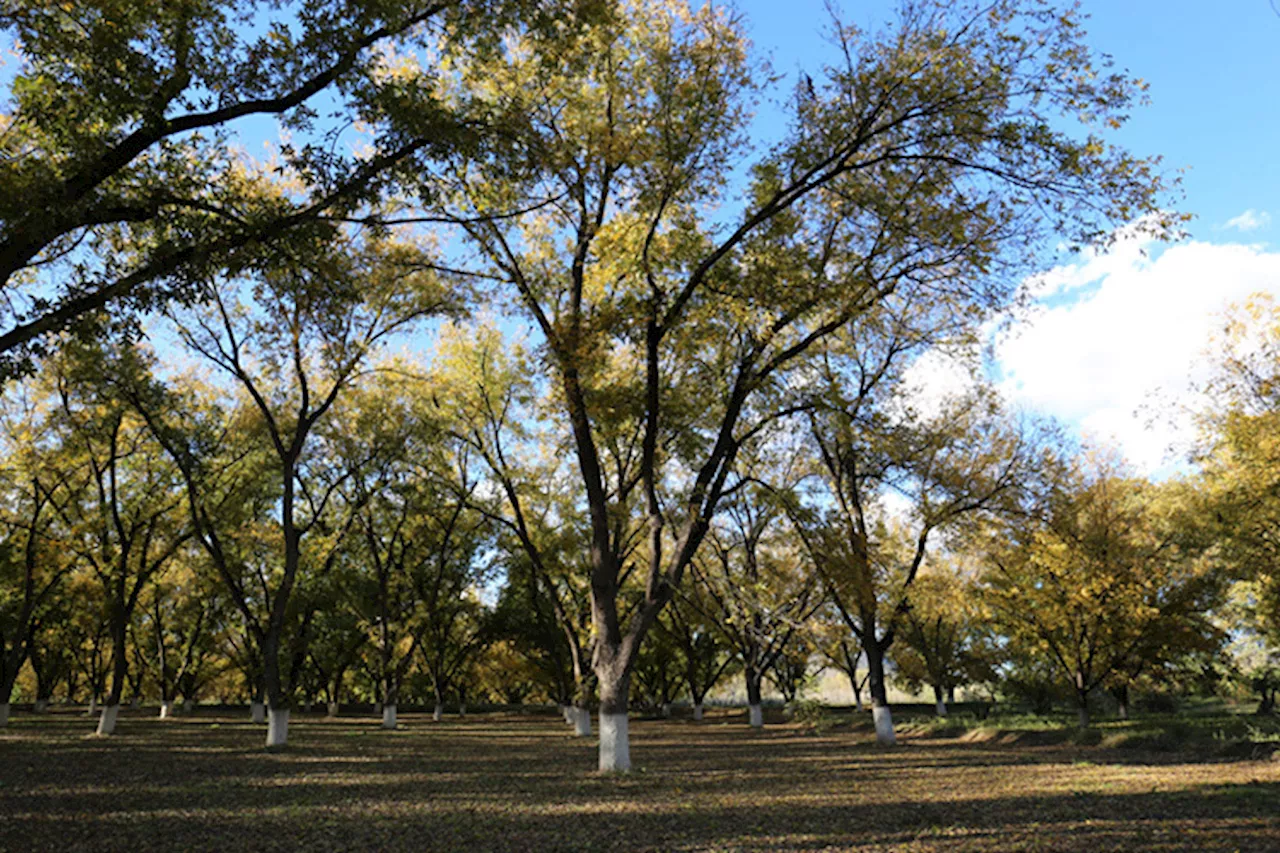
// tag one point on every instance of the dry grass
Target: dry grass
(498, 782)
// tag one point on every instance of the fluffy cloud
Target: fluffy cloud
(1120, 341)
(1250, 220)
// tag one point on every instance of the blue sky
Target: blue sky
(1120, 340)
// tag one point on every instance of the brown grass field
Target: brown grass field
(522, 782)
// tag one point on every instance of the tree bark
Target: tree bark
(755, 714)
(119, 671)
(615, 741)
(1121, 692)
(940, 702)
(880, 712)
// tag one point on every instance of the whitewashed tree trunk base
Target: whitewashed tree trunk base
(93, 706)
(462, 709)
(564, 713)
(277, 726)
(582, 721)
(4, 715)
(697, 712)
(257, 712)
(333, 709)
(166, 709)
(107, 722)
(438, 713)
(389, 716)
(884, 725)
(666, 710)
(941, 708)
(756, 715)
(615, 743)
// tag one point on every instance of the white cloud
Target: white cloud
(1123, 331)
(1250, 220)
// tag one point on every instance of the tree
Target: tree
(123, 119)
(30, 568)
(927, 162)
(1109, 575)
(705, 653)
(126, 521)
(949, 467)
(294, 337)
(942, 635)
(757, 584)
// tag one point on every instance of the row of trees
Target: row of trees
(697, 308)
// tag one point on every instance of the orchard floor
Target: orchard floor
(507, 782)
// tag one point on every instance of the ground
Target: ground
(522, 782)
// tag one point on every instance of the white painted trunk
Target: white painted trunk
(615, 743)
(93, 706)
(277, 726)
(42, 706)
(166, 709)
(462, 709)
(697, 712)
(257, 712)
(666, 710)
(107, 722)
(389, 716)
(884, 724)
(4, 714)
(333, 709)
(566, 711)
(756, 715)
(438, 713)
(941, 708)
(582, 722)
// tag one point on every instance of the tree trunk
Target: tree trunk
(615, 738)
(438, 714)
(755, 714)
(333, 709)
(277, 726)
(939, 698)
(697, 712)
(1121, 692)
(166, 709)
(880, 712)
(581, 721)
(6, 692)
(1082, 700)
(119, 673)
(389, 715)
